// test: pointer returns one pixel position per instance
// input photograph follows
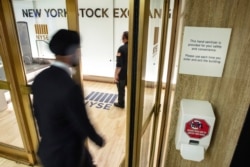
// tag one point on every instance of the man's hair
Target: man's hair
(125, 35)
(64, 42)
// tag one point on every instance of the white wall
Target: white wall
(101, 32)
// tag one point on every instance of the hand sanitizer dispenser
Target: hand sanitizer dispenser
(194, 128)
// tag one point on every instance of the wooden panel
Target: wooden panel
(229, 94)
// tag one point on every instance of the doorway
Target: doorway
(145, 117)
(144, 98)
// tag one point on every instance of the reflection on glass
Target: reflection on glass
(145, 146)
(36, 22)
(9, 130)
(149, 100)
(151, 75)
(153, 55)
(33, 65)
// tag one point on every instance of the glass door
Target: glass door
(9, 130)
(16, 141)
(148, 24)
(25, 29)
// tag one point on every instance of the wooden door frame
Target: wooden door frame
(135, 71)
(169, 87)
(16, 77)
(137, 48)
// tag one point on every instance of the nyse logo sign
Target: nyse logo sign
(100, 100)
(42, 32)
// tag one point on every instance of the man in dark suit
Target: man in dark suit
(120, 77)
(59, 108)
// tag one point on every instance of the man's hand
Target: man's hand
(116, 79)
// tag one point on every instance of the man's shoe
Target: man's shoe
(118, 105)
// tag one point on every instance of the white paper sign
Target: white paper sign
(204, 51)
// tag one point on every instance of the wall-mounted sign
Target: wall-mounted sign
(204, 51)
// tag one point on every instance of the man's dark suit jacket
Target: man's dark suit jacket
(61, 117)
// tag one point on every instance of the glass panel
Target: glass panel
(36, 22)
(101, 25)
(9, 130)
(170, 20)
(152, 61)
(151, 77)
(145, 146)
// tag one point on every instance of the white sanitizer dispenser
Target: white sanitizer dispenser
(194, 128)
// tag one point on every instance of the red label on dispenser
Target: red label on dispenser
(197, 128)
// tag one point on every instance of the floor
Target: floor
(8, 163)
(108, 120)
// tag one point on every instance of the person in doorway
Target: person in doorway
(120, 77)
(59, 108)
